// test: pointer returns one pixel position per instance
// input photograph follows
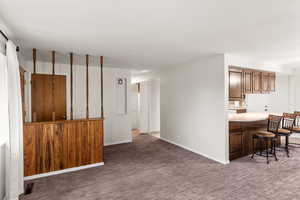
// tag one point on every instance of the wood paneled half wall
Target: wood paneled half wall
(57, 145)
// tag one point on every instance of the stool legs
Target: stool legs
(260, 147)
(253, 148)
(287, 146)
(274, 149)
(268, 149)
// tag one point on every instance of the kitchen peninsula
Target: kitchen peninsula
(242, 126)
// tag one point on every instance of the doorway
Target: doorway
(146, 108)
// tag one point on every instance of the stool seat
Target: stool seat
(265, 134)
(284, 131)
(296, 128)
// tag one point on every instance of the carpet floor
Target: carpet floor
(151, 169)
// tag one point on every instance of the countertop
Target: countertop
(249, 117)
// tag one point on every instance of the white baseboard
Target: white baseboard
(6, 198)
(26, 178)
(197, 152)
(118, 142)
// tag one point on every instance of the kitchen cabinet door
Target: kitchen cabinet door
(272, 79)
(256, 83)
(248, 78)
(265, 82)
(236, 84)
(236, 143)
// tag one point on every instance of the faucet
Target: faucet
(266, 108)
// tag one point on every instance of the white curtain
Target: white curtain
(14, 175)
(4, 122)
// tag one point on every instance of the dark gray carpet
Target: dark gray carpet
(151, 169)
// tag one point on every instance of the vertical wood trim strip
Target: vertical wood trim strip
(101, 63)
(34, 60)
(87, 85)
(53, 89)
(102, 110)
(71, 85)
(53, 62)
(34, 71)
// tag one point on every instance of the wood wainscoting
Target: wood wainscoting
(58, 145)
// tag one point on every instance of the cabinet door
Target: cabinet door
(272, 78)
(257, 82)
(235, 84)
(265, 82)
(248, 81)
(60, 102)
(236, 143)
(48, 97)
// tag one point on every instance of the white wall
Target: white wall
(193, 107)
(154, 105)
(117, 127)
(294, 91)
(277, 101)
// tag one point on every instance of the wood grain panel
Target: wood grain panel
(48, 96)
(60, 92)
(73, 136)
(41, 100)
(52, 146)
(30, 162)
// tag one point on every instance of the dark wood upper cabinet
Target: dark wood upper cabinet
(248, 78)
(257, 82)
(236, 84)
(272, 79)
(265, 82)
(249, 81)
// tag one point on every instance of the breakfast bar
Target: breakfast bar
(242, 126)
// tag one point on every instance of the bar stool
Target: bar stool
(286, 129)
(268, 137)
(297, 122)
(296, 129)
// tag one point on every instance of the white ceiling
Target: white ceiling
(150, 34)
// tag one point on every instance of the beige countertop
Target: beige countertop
(249, 117)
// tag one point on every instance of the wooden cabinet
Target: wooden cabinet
(58, 145)
(249, 81)
(236, 84)
(236, 141)
(241, 137)
(248, 78)
(272, 79)
(265, 82)
(256, 82)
